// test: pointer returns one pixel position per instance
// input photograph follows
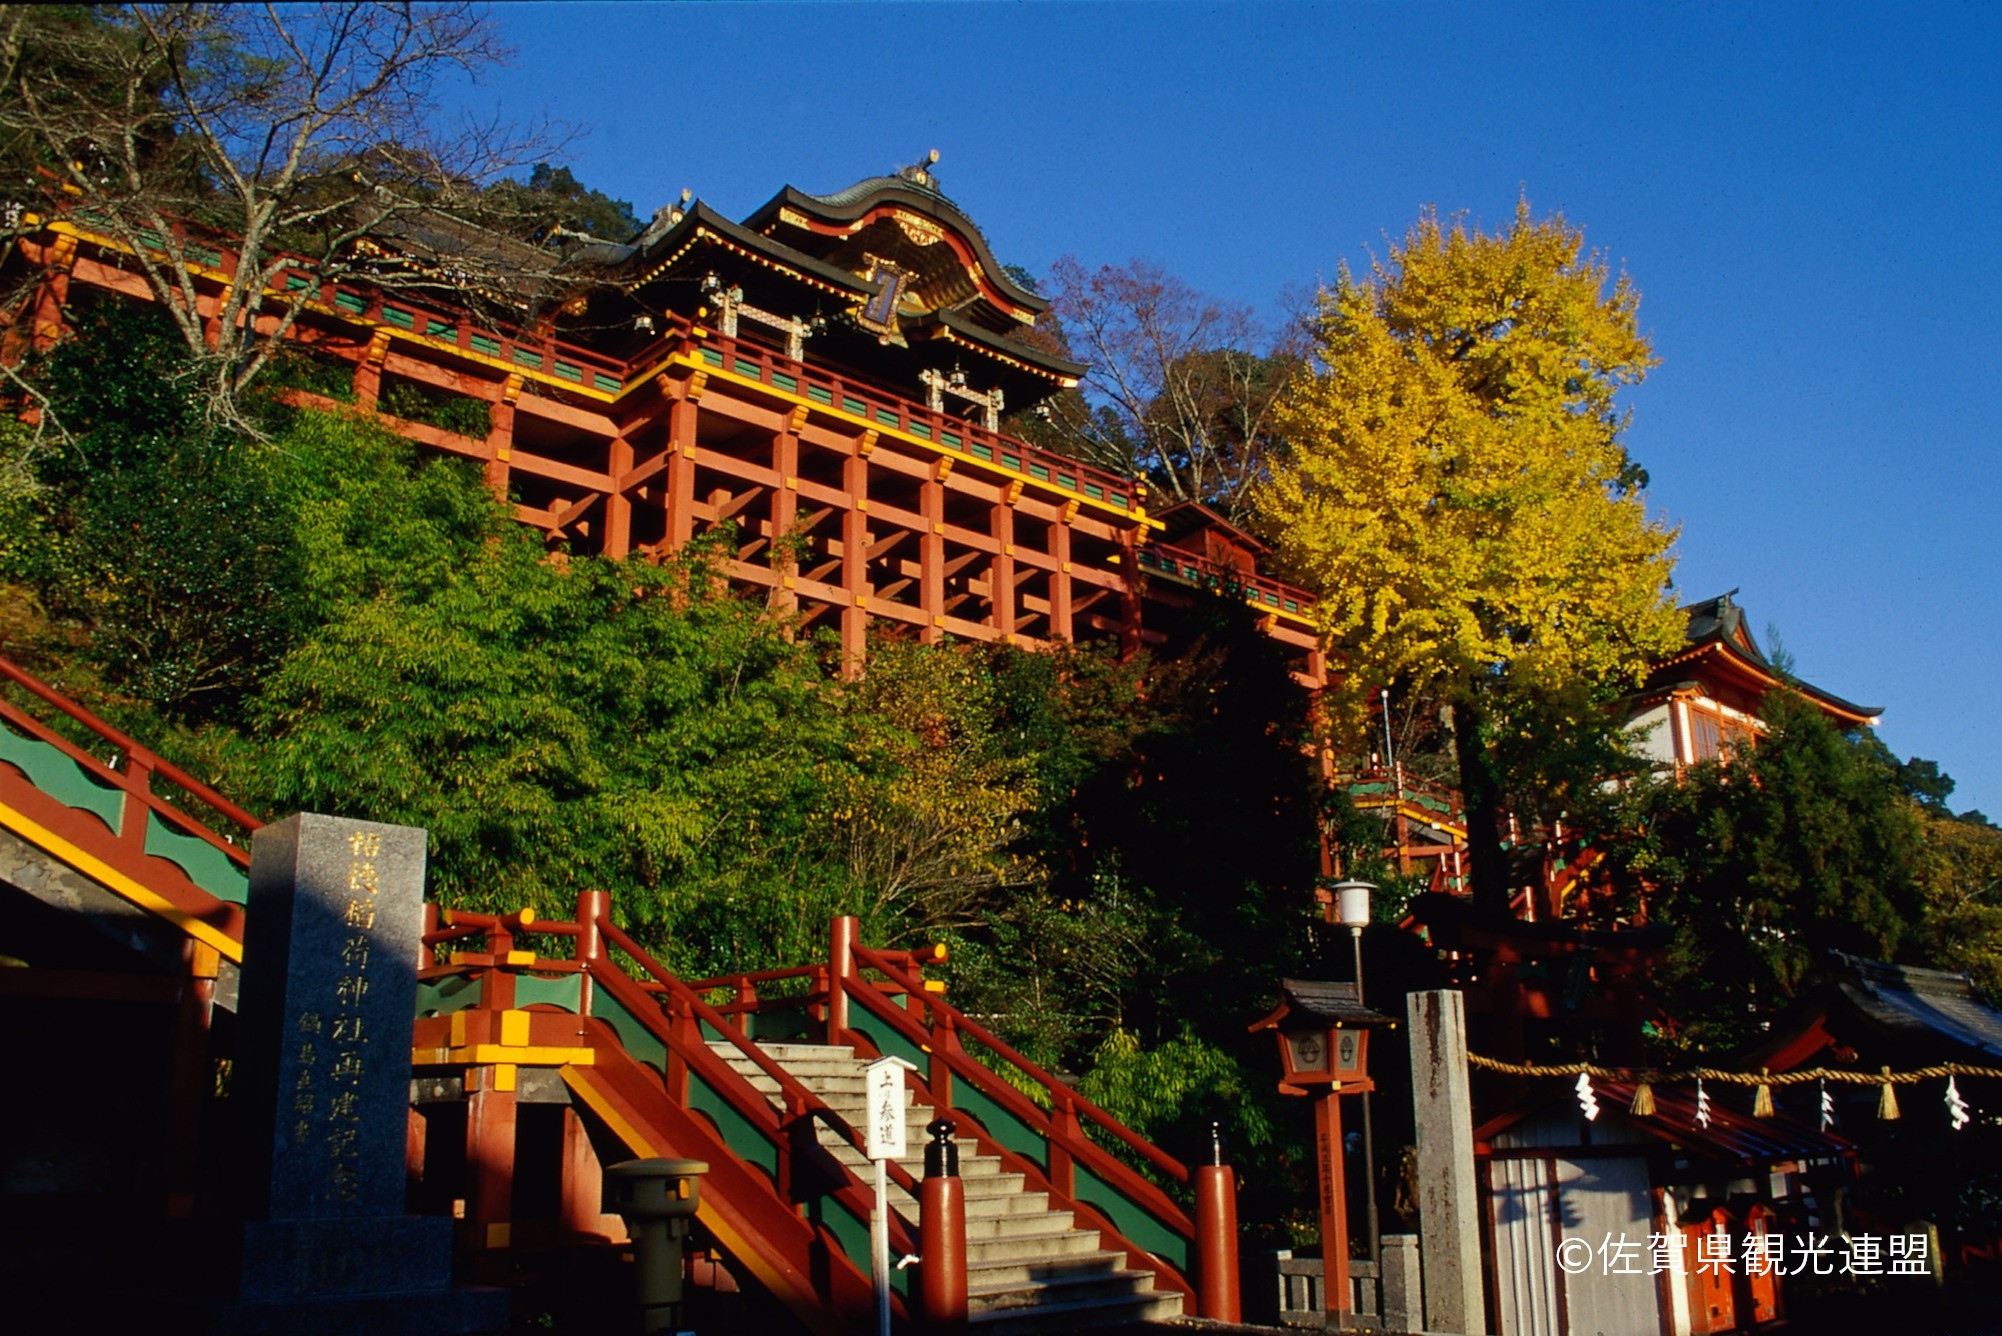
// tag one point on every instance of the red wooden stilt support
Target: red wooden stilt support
(1334, 1205)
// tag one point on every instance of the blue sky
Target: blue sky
(1809, 199)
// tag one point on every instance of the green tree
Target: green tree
(1456, 491)
(1768, 860)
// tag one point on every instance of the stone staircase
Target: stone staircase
(1029, 1268)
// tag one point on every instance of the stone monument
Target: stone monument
(318, 1240)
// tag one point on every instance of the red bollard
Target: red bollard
(1216, 1237)
(942, 1235)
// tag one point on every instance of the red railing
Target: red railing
(134, 765)
(561, 360)
(673, 1012)
(1182, 564)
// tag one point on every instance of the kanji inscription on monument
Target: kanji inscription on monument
(330, 960)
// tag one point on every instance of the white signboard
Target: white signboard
(886, 1108)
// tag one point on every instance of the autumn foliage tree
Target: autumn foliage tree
(1456, 490)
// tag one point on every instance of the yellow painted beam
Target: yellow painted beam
(119, 884)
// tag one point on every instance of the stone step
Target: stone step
(1007, 1272)
(1057, 1288)
(1031, 1247)
(1076, 1315)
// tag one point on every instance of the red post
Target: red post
(1216, 1243)
(942, 1235)
(1334, 1206)
(840, 969)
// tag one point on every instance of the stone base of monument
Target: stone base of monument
(379, 1277)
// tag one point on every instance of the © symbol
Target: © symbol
(1574, 1255)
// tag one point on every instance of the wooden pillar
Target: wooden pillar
(855, 553)
(680, 489)
(1334, 1205)
(931, 554)
(368, 372)
(618, 506)
(490, 1143)
(46, 325)
(785, 509)
(1129, 593)
(500, 438)
(1001, 572)
(1060, 581)
(189, 1077)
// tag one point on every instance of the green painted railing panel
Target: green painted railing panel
(852, 1236)
(454, 992)
(400, 318)
(639, 1041)
(788, 1023)
(712, 357)
(740, 1134)
(888, 1041)
(61, 778)
(207, 866)
(820, 394)
(563, 990)
(610, 384)
(1002, 1125)
(1131, 1219)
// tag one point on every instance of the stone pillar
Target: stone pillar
(1448, 1224)
(1403, 1288)
(320, 1098)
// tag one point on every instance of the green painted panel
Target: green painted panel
(887, 417)
(888, 1041)
(710, 1034)
(920, 429)
(402, 319)
(712, 357)
(1094, 491)
(351, 301)
(55, 774)
(1121, 502)
(1002, 1125)
(609, 384)
(207, 866)
(740, 1134)
(293, 282)
(785, 382)
(820, 394)
(854, 406)
(852, 1236)
(1011, 461)
(639, 1041)
(438, 329)
(528, 357)
(1133, 1220)
(787, 1023)
(1066, 481)
(442, 997)
(563, 990)
(746, 367)
(570, 371)
(490, 347)
(1039, 472)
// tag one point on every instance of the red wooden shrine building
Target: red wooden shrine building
(828, 375)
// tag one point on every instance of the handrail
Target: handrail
(1060, 1093)
(1172, 560)
(142, 763)
(368, 303)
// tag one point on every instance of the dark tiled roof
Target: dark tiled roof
(1922, 1004)
(1328, 1001)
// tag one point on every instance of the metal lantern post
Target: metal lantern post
(1352, 912)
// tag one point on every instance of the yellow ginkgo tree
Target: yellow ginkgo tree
(1456, 489)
